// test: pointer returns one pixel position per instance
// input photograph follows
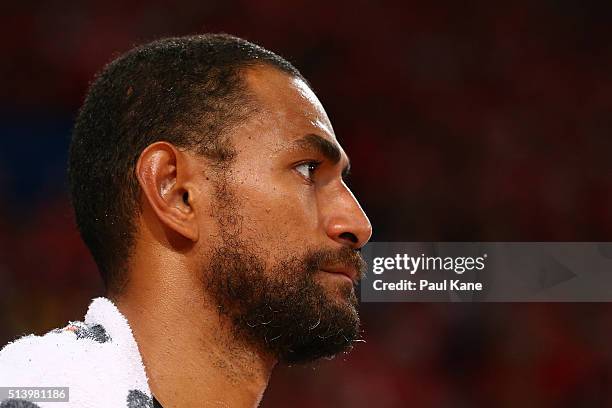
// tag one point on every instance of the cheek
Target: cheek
(279, 215)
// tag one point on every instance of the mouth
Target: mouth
(344, 273)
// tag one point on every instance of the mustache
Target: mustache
(344, 257)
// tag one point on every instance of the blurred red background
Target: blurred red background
(469, 122)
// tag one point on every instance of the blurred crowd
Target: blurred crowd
(464, 122)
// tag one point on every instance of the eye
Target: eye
(308, 169)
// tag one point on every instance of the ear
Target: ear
(165, 179)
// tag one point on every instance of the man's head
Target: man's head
(216, 153)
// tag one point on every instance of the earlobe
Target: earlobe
(164, 179)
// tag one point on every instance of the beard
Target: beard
(281, 309)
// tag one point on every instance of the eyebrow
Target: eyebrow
(324, 147)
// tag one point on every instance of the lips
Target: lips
(350, 273)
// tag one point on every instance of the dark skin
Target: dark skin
(288, 176)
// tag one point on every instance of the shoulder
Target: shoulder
(97, 359)
(59, 354)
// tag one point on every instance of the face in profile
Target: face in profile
(280, 257)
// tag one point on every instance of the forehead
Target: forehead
(287, 108)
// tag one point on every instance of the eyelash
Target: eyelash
(313, 165)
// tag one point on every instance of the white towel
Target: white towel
(98, 360)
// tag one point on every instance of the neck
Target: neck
(190, 355)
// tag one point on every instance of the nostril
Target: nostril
(349, 236)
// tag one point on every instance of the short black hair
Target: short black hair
(188, 91)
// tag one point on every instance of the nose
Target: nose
(345, 221)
